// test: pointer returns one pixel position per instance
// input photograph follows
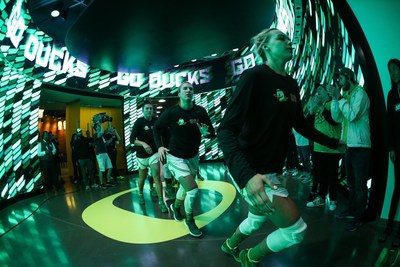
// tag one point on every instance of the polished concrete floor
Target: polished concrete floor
(108, 227)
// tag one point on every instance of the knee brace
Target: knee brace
(189, 200)
(181, 193)
(252, 223)
(287, 237)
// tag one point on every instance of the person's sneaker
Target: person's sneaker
(176, 213)
(163, 208)
(233, 252)
(141, 199)
(245, 261)
(353, 225)
(346, 214)
(311, 196)
(317, 202)
(169, 192)
(87, 188)
(301, 176)
(104, 186)
(307, 179)
(332, 205)
(295, 172)
(95, 186)
(153, 192)
(192, 227)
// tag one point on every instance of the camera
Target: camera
(101, 117)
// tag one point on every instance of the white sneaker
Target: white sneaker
(307, 179)
(295, 172)
(317, 202)
(332, 205)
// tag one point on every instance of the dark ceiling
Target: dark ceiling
(148, 36)
(145, 36)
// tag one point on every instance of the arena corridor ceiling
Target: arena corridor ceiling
(149, 36)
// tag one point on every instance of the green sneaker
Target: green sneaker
(233, 252)
(193, 229)
(176, 213)
(169, 192)
(245, 261)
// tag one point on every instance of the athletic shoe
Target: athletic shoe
(287, 173)
(311, 196)
(346, 214)
(192, 227)
(317, 202)
(307, 179)
(163, 208)
(141, 199)
(353, 225)
(87, 188)
(332, 205)
(169, 192)
(245, 261)
(302, 176)
(95, 186)
(153, 192)
(104, 186)
(176, 213)
(233, 252)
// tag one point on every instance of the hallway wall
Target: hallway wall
(383, 35)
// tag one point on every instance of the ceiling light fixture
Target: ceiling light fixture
(59, 10)
(55, 13)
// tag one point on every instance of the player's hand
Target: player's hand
(203, 129)
(333, 91)
(162, 153)
(256, 193)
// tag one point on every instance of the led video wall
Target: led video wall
(30, 58)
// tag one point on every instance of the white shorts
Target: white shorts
(147, 162)
(182, 167)
(281, 191)
(104, 162)
(167, 172)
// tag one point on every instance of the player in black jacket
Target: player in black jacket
(254, 136)
(186, 123)
(146, 153)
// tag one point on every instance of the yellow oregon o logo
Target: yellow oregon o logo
(129, 227)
